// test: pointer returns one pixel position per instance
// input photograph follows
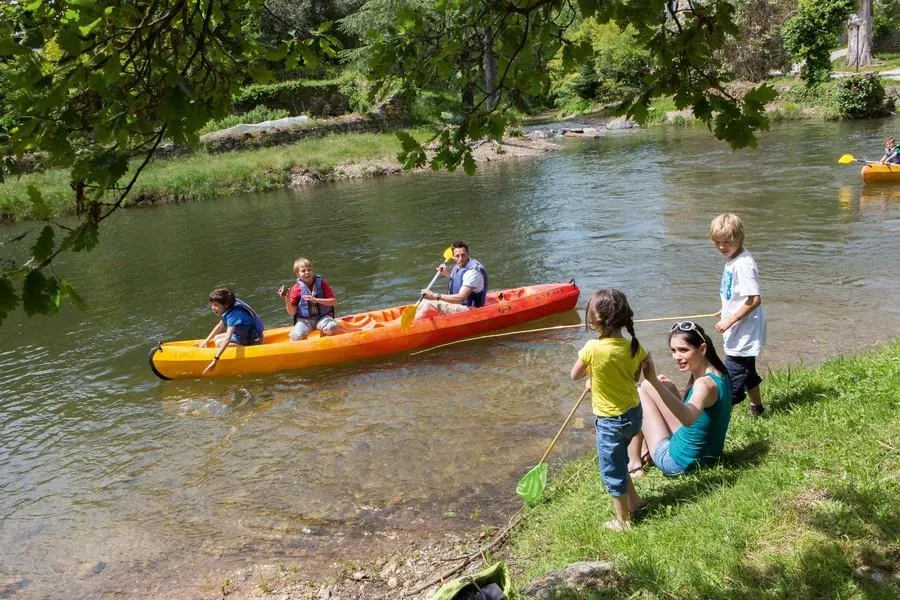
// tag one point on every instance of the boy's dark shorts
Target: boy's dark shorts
(743, 376)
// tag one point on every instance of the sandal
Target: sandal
(757, 409)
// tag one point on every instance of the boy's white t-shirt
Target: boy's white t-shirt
(740, 279)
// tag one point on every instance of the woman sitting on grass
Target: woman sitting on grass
(685, 433)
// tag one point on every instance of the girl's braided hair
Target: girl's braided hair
(607, 312)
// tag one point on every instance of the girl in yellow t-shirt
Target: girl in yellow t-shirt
(614, 365)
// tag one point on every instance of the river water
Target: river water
(114, 482)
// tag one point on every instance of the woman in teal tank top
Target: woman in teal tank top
(683, 433)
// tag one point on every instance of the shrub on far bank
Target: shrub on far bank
(298, 97)
(861, 96)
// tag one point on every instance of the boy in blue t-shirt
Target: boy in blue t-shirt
(238, 324)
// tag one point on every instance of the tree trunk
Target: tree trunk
(490, 69)
(859, 36)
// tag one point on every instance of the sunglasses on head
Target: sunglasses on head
(685, 326)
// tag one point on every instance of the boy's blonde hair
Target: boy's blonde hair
(726, 227)
(301, 262)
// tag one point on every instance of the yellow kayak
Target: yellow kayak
(879, 173)
(364, 335)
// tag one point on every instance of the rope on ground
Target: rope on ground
(493, 335)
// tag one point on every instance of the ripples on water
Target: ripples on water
(114, 482)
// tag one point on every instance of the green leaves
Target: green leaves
(811, 33)
(40, 294)
(43, 248)
(8, 298)
(85, 237)
(95, 86)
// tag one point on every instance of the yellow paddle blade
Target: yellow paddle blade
(531, 486)
(846, 159)
(408, 316)
(448, 253)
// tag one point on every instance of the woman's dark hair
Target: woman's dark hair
(695, 336)
(223, 296)
(607, 311)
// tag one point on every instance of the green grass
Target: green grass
(804, 504)
(204, 176)
(886, 60)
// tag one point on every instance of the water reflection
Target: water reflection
(115, 482)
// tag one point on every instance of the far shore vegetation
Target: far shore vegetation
(203, 176)
(804, 504)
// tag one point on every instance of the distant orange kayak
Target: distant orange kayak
(879, 173)
(366, 335)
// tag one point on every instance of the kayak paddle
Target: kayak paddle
(531, 486)
(409, 313)
(846, 159)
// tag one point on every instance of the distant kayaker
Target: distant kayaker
(310, 302)
(467, 289)
(238, 324)
(891, 152)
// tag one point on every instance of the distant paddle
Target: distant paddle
(409, 313)
(531, 486)
(846, 159)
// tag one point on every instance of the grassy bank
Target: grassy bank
(203, 176)
(805, 504)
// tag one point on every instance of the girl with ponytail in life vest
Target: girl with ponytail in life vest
(613, 365)
(310, 302)
(238, 324)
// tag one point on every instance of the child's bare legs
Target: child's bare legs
(625, 505)
(635, 450)
(756, 406)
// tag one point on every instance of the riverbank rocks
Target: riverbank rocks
(576, 578)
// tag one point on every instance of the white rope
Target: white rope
(493, 335)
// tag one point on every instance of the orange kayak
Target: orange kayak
(879, 173)
(365, 335)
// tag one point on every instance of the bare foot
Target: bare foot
(617, 525)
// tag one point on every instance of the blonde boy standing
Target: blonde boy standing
(742, 321)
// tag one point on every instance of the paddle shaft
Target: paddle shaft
(433, 279)
(566, 422)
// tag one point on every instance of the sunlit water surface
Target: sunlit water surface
(114, 482)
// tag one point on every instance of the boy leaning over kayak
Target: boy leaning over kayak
(238, 324)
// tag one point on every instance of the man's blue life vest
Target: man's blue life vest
(255, 333)
(456, 277)
(308, 310)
